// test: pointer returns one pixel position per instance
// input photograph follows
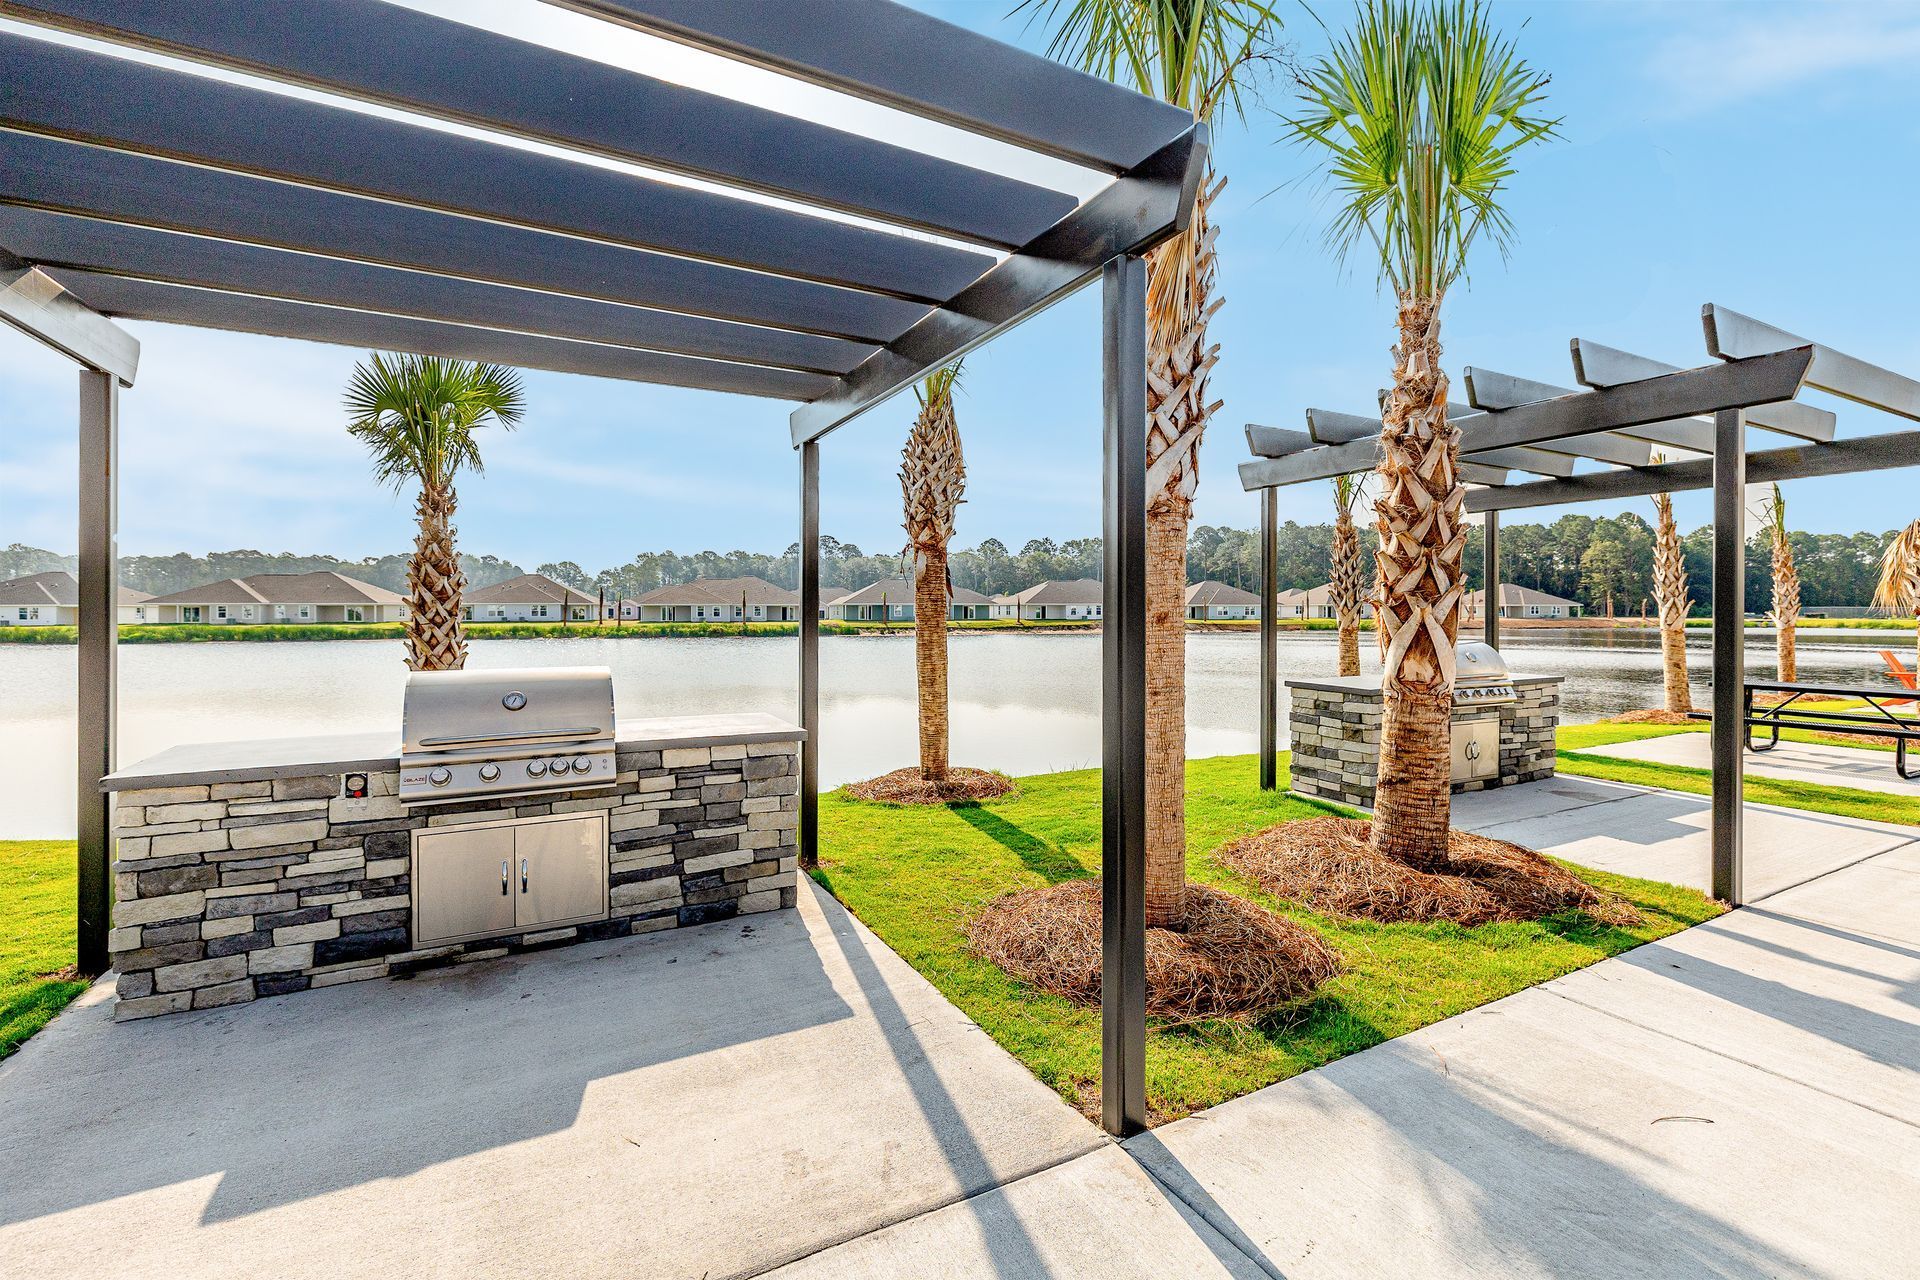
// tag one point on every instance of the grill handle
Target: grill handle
(505, 875)
(523, 875)
(588, 731)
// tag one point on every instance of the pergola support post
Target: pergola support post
(809, 629)
(1123, 726)
(1269, 639)
(1729, 652)
(99, 628)
(1490, 579)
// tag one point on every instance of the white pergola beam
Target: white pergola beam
(1497, 391)
(1489, 390)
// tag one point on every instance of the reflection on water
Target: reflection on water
(1023, 703)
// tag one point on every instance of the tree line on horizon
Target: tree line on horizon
(1584, 558)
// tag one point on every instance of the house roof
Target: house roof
(1215, 595)
(529, 588)
(900, 591)
(723, 591)
(1070, 591)
(1309, 597)
(57, 588)
(1512, 595)
(322, 586)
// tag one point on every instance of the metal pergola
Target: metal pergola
(1520, 442)
(355, 172)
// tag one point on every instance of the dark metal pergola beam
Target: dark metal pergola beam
(84, 95)
(1597, 365)
(1130, 216)
(60, 241)
(1797, 462)
(246, 313)
(894, 55)
(355, 48)
(118, 186)
(35, 303)
(1632, 447)
(1735, 385)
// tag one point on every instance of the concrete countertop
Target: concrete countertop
(1371, 684)
(265, 758)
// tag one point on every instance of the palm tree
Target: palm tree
(933, 475)
(1195, 54)
(1899, 587)
(1419, 113)
(417, 416)
(1670, 593)
(1347, 590)
(1786, 584)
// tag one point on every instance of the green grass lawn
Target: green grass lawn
(36, 936)
(1849, 802)
(916, 875)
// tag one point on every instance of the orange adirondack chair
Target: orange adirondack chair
(1898, 670)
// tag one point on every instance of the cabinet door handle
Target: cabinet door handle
(504, 875)
(523, 875)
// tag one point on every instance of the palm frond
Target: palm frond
(1418, 113)
(417, 414)
(937, 388)
(1190, 53)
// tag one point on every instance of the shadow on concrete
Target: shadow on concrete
(305, 1094)
(1234, 1248)
(1009, 1244)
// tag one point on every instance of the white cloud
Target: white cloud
(1715, 62)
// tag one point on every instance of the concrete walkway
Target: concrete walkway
(1667, 835)
(1829, 766)
(709, 1102)
(790, 1098)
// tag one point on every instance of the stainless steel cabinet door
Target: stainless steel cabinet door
(1476, 750)
(465, 883)
(562, 871)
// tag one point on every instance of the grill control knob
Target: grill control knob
(558, 764)
(536, 768)
(440, 777)
(489, 773)
(581, 764)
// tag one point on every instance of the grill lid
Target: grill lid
(1477, 663)
(492, 711)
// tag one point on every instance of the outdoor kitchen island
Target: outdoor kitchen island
(252, 869)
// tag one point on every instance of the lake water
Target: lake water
(1022, 703)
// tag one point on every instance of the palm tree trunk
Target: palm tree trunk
(1670, 592)
(1346, 590)
(1180, 278)
(436, 639)
(1786, 608)
(1422, 537)
(1166, 717)
(930, 658)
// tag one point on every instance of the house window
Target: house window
(220, 612)
(497, 611)
(189, 613)
(306, 611)
(467, 613)
(280, 612)
(246, 611)
(355, 615)
(538, 611)
(29, 615)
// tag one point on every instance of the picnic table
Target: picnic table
(1876, 718)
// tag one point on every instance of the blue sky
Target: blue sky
(1755, 155)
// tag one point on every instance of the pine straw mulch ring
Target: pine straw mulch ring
(1234, 959)
(1329, 865)
(1652, 715)
(906, 786)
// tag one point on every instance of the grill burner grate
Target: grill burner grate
(467, 734)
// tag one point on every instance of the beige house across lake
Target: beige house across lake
(52, 599)
(262, 598)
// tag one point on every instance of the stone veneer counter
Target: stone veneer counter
(1334, 735)
(242, 871)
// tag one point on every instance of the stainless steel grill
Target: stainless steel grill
(505, 733)
(1480, 676)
